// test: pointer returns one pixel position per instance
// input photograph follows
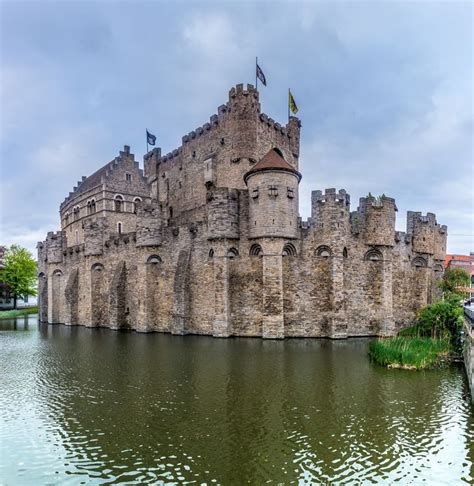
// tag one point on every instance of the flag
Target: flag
(292, 104)
(150, 139)
(260, 75)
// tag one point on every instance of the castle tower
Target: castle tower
(273, 218)
(273, 197)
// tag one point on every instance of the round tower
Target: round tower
(273, 197)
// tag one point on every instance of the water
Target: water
(94, 406)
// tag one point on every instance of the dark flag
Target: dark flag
(260, 75)
(150, 138)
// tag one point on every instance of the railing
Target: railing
(469, 313)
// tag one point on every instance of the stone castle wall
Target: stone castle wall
(202, 249)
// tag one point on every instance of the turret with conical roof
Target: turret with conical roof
(273, 197)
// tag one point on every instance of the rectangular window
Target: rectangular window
(255, 193)
(128, 177)
(273, 191)
(290, 192)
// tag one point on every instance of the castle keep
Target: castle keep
(207, 240)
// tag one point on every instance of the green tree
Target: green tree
(454, 279)
(19, 273)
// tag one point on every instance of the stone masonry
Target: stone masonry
(207, 240)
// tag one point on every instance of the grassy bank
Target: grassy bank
(8, 314)
(410, 352)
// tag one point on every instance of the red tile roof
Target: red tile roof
(272, 161)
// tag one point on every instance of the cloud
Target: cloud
(384, 91)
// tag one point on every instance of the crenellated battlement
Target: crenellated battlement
(426, 235)
(207, 239)
(331, 196)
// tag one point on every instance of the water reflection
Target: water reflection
(102, 406)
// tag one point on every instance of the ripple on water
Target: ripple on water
(96, 407)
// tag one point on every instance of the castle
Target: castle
(207, 240)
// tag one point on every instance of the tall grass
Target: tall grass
(409, 352)
(8, 314)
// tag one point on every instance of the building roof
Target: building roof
(273, 160)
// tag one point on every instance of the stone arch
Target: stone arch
(153, 269)
(71, 298)
(135, 201)
(118, 298)
(289, 250)
(56, 296)
(256, 250)
(419, 262)
(43, 297)
(154, 260)
(119, 203)
(98, 295)
(232, 253)
(373, 255)
(323, 251)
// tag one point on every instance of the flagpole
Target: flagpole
(288, 104)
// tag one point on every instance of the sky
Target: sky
(384, 90)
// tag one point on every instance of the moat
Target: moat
(94, 406)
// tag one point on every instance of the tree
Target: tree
(19, 273)
(453, 280)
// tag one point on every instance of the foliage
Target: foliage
(19, 272)
(409, 352)
(8, 314)
(441, 320)
(453, 279)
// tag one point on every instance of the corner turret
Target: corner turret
(273, 197)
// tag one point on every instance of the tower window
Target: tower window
(255, 193)
(273, 191)
(118, 204)
(119, 228)
(128, 177)
(290, 192)
(135, 201)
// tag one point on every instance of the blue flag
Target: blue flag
(150, 138)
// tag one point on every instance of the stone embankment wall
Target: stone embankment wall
(468, 349)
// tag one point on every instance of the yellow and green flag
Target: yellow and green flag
(291, 103)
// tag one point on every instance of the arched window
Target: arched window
(323, 251)
(154, 260)
(118, 201)
(344, 252)
(256, 250)
(58, 273)
(97, 267)
(373, 255)
(93, 206)
(119, 228)
(76, 213)
(419, 262)
(211, 253)
(135, 201)
(278, 151)
(289, 250)
(232, 253)
(77, 237)
(66, 219)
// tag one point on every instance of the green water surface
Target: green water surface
(94, 406)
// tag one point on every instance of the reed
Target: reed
(410, 352)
